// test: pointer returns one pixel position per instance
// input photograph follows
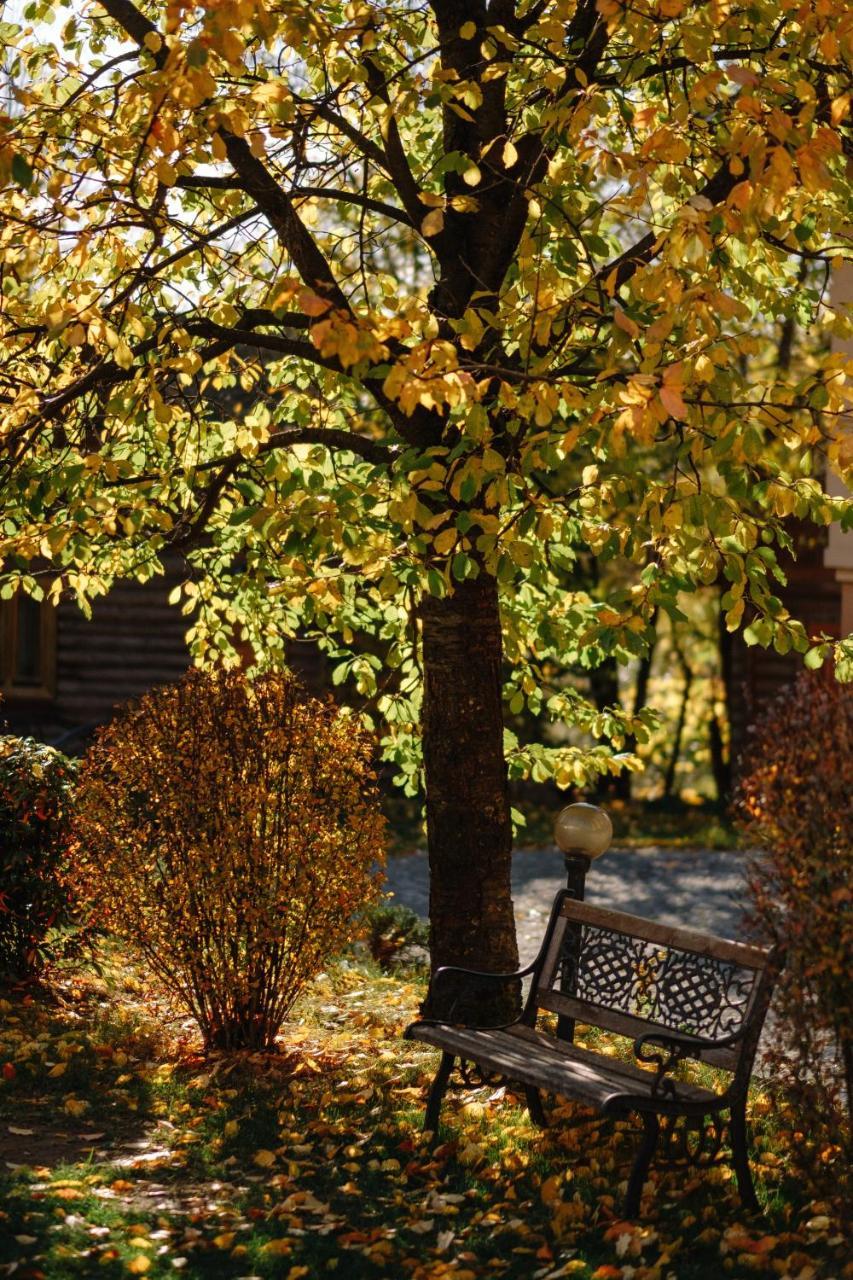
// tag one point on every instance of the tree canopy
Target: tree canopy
(356, 302)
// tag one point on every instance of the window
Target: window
(27, 648)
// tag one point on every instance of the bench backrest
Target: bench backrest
(631, 976)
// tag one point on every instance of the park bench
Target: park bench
(679, 994)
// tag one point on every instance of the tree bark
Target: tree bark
(672, 766)
(721, 760)
(468, 812)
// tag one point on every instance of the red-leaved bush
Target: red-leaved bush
(36, 785)
(796, 803)
(229, 830)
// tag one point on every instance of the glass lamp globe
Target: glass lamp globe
(583, 828)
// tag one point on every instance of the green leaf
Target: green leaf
(22, 171)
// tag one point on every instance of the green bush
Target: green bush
(229, 831)
(796, 802)
(390, 929)
(36, 785)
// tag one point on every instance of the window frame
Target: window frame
(45, 690)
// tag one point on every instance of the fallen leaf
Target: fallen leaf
(277, 1247)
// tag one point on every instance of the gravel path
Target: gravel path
(701, 888)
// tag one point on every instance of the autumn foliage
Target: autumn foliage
(228, 829)
(797, 803)
(35, 786)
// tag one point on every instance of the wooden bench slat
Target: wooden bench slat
(624, 1024)
(704, 944)
(530, 1057)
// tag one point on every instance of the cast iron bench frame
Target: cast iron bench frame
(678, 993)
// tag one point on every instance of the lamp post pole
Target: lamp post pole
(583, 832)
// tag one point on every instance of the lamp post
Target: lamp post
(583, 833)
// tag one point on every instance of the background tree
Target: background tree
(487, 278)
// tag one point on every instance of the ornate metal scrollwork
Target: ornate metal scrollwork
(673, 987)
(691, 1142)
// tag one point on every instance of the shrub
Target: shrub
(797, 802)
(228, 829)
(390, 929)
(35, 793)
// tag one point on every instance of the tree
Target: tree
(390, 315)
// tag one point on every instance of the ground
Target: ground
(700, 888)
(123, 1151)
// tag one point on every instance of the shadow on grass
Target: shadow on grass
(311, 1163)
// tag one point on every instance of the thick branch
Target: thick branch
(398, 161)
(337, 440)
(716, 189)
(257, 181)
(216, 182)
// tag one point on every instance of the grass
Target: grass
(143, 1158)
(672, 823)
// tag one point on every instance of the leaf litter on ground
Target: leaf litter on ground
(143, 1157)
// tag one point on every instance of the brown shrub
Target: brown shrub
(228, 829)
(797, 803)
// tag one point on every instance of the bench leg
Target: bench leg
(534, 1106)
(436, 1092)
(740, 1157)
(642, 1164)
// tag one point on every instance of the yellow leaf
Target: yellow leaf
(468, 30)
(139, 1265)
(231, 1128)
(59, 1069)
(312, 304)
(510, 155)
(277, 1247)
(734, 615)
(673, 403)
(445, 541)
(624, 322)
(166, 173)
(153, 41)
(264, 1158)
(123, 355)
(472, 176)
(550, 1190)
(433, 223)
(225, 1240)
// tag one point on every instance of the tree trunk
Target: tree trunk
(604, 687)
(669, 778)
(721, 760)
(468, 818)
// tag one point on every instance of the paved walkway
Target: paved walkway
(701, 888)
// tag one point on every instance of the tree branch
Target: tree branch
(200, 181)
(372, 451)
(716, 189)
(258, 182)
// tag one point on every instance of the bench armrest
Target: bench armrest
(467, 981)
(674, 1046)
